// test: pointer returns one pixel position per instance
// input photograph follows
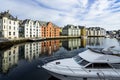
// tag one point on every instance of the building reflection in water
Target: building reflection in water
(32, 51)
(95, 41)
(50, 46)
(71, 44)
(9, 58)
(29, 51)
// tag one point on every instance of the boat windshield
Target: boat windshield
(77, 58)
(99, 65)
(80, 60)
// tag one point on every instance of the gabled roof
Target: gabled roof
(8, 15)
(43, 23)
(71, 26)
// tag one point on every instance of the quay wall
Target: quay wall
(10, 42)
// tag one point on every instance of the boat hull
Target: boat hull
(67, 77)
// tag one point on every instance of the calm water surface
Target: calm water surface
(20, 61)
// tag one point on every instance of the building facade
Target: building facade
(30, 29)
(95, 31)
(83, 31)
(49, 30)
(9, 26)
(71, 30)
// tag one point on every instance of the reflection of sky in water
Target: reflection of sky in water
(110, 42)
(101, 42)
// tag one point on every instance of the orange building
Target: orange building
(50, 30)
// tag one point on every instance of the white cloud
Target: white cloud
(103, 13)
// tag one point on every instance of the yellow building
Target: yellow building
(83, 31)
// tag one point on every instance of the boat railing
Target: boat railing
(101, 73)
(73, 68)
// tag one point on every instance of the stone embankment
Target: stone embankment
(9, 43)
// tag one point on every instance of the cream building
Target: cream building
(30, 29)
(95, 31)
(71, 30)
(9, 26)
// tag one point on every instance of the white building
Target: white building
(9, 26)
(96, 31)
(71, 30)
(30, 29)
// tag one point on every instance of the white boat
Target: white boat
(88, 64)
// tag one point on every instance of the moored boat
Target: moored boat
(92, 63)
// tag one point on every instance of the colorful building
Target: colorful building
(49, 30)
(83, 31)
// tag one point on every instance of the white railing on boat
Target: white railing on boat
(73, 69)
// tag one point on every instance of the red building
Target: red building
(50, 30)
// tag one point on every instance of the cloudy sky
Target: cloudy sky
(102, 13)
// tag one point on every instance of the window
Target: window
(83, 63)
(14, 23)
(13, 33)
(4, 26)
(80, 61)
(77, 58)
(9, 58)
(99, 65)
(9, 27)
(14, 28)
(9, 33)
(10, 53)
(4, 20)
(14, 52)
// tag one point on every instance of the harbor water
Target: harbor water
(22, 62)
